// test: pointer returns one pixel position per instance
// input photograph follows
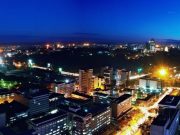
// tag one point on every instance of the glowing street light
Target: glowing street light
(163, 72)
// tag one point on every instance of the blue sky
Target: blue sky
(109, 20)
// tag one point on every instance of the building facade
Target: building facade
(86, 81)
(121, 105)
(52, 124)
(150, 85)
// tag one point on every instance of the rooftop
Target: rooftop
(55, 95)
(93, 109)
(5, 92)
(100, 94)
(48, 118)
(122, 98)
(83, 95)
(150, 78)
(164, 116)
(14, 106)
(170, 101)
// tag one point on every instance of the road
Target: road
(134, 124)
(133, 77)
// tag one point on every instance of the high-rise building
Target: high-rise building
(152, 45)
(86, 81)
(122, 76)
(107, 73)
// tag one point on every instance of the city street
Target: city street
(140, 117)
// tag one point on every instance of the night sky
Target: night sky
(93, 20)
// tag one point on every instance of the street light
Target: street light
(163, 72)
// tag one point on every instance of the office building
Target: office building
(166, 123)
(54, 100)
(77, 99)
(64, 87)
(122, 76)
(152, 45)
(150, 85)
(121, 105)
(37, 100)
(52, 124)
(101, 98)
(86, 81)
(89, 119)
(170, 102)
(99, 82)
(13, 111)
(107, 73)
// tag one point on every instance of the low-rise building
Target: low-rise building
(54, 100)
(14, 111)
(150, 85)
(101, 98)
(52, 124)
(170, 102)
(64, 87)
(121, 105)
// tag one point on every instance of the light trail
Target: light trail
(137, 76)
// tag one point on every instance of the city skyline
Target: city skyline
(96, 21)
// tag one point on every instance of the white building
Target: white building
(150, 85)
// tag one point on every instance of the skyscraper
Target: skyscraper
(152, 45)
(86, 81)
(107, 73)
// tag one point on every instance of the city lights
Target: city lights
(139, 70)
(1, 61)
(67, 81)
(48, 65)
(163, 72)
(7, 84)
(30, 63)
(60, 70)
(90, 73)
